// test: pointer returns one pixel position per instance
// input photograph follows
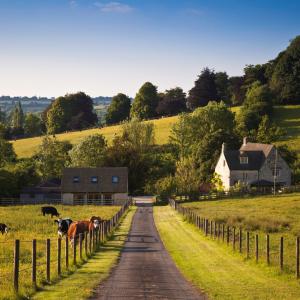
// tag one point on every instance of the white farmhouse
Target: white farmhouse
(255, 165)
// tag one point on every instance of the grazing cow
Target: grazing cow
(49, 210)
(3, 228)
(83, 226)
(63, 226)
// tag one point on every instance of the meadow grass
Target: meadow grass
(27, 223)
(278, 216)
(220, 273)
(287, 117)
(80, 285)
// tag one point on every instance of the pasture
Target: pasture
(278, 216)
(287, 117)
(210, 266)
(27, 223)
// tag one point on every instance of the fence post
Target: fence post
(33, 261)
(67, 252)
(48, 259)
(256, 247)
(206, 227)
(268, 249)
(59, 256)
(228, 235)
(74, 250)
(80, 245)
(211, 228)
(281, 253)
(233, 238)
(223, 232)
(16, 265)
(90, 242)
(241, 240)
(86, 244)
(297, 257)
(248, 243)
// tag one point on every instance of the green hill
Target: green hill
(288, 117)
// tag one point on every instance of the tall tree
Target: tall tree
(172, 102)
(236, 90)
(222, 84)
(71, 112)
(90, 152)
(119, 109)
(285, 80)
(205, 90)
(17, 119)
(32, 125)
(7, 153)
(145, 102)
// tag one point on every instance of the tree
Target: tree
(90, 152)
(17, 120)
(32, 125)
(267, 131)
(255, 73)
(285, 79)
(2, 116)
(145, 102)
(236, 90)
(172, 103)
(52, 157)
(119, 109)
(205, 90)
(222, 85)
(4, 131)
(71, 112)
(7, 153)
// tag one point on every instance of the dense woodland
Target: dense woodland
(188, 160)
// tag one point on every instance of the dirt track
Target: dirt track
(145, 270)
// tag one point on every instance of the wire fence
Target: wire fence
(281, 252)
(33, 263)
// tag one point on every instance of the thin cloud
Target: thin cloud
(194, 11)
(73, 3)
(114, 7)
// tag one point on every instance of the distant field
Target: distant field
(27, 223)
(276, 215)
(288, 117)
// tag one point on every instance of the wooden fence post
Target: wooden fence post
(281, 253)
(268, 249)
(223, 232)
(86, 244)
(241, 240)
(233, 238)
(228, 235)
(16, 265)
(206, 227)
(74, 250)
(248, 243)
(33, 262)
(67, 252)
(59, 257)
(256, 247)
(48, 259)
(211, 228)
(90, 242)
(297, 257)
(80, 245)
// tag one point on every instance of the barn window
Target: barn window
(276, 173)
(115, 179)
(243, 160)
(75, 179)
(94, 179)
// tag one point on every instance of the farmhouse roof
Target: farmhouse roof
(104, 180)
(265, 148)
(255, 160)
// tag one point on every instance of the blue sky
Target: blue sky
(54, 47)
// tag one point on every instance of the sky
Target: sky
(54, 47)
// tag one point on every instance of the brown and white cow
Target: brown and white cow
(83, 226)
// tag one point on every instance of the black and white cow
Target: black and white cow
(63, 226)
(49, 210)
(3, 228)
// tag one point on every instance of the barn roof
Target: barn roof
(104, 182)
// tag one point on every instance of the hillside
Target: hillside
(286, 116)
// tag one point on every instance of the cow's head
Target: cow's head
(96, 222)
(60, 226)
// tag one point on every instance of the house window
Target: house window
(276, 174)
(115, 179)
(243, 160)
(75, 179)
(94, 179)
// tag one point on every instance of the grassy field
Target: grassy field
(80, 285)
(288, 117)
(27, 223)
(220, 273)
(274, 215)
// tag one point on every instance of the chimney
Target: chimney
(224, 147)
(245, 140)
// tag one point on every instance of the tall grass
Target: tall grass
(27, 223)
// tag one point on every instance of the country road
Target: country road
(145, 270)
